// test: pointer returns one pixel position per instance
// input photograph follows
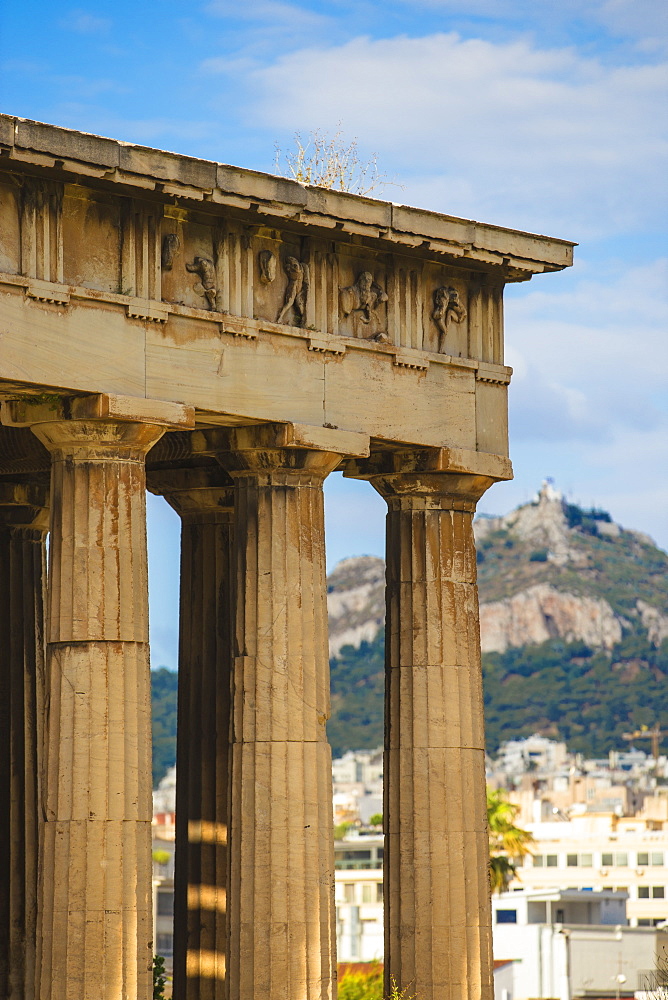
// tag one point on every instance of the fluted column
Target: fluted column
(23, 529)
(205, 504)
(438, 914)
(94, 895)
(282, 926)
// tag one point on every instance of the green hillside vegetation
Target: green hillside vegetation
(163, 714)
(585, 697)
(358, 686)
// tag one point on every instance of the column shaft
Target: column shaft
(203, 738)
(95, 907)
(282, 927)
(22, 579)
(438, 920)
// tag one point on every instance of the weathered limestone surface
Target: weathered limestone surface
(282, 926)
(437, 923)
(94, 931)
(203, 732)
(23, 528)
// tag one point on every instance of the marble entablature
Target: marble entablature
(222, 270)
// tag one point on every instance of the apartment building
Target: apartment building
(595, 851)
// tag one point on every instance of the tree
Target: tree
(507, 842)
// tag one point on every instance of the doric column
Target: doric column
(438, 937)
(95, 881)
(204, 500)
(23, 528)
(282, 926)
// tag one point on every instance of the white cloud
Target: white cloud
(592, 361)
(266, 11)
(533, 138)
(84, 23)
(589, 396)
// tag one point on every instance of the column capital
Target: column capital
(196, 494)
(285, 454)
(96, 426)
(27, 411)
(430, 478)
(25, 506)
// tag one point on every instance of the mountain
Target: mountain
(574, 630)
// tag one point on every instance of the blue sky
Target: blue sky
(549, 117)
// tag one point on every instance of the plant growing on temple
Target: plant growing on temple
(507, 842)
(398, 994)
(159, 977)
(330, 162)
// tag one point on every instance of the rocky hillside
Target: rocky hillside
(548, 570)
(574, 629)
(355, 602)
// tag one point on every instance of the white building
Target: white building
(357, 782)
(603, 851)
(359, 898)
(568, 944)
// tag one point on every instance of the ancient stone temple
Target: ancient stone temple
(227, 339)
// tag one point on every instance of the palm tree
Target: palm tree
(507, 842)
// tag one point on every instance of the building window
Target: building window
(367, 891)
(165, 904)
(551, 860)
(506, 916)
(658, 892)
(586, 860)
(655, 859)
(643, 892)
(349, 892)
(560, 917)
(164, 944)
(572, 860)
(619, 860)
(379, 892)
(538, 860)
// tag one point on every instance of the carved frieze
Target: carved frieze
(267, 263)
(361, 301)
(171, 244)
(447, 308)
(296, 291)
(204, 267)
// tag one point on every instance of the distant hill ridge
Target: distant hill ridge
(547, 570)
(574, 632)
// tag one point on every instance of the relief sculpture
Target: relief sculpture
(361, 301)
(447, 307)
(267, 262)
(207, 274)
(171, 245)
(296, 291)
